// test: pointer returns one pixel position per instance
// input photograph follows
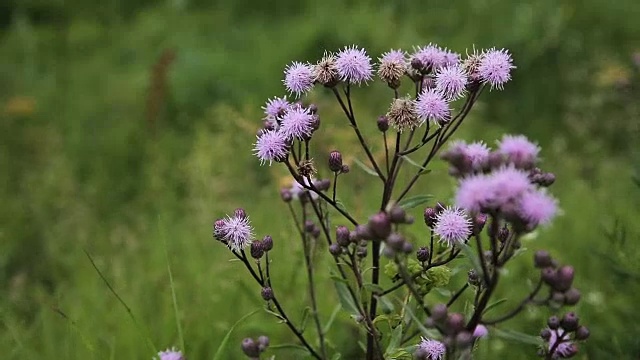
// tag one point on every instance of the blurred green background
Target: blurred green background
(126, 127)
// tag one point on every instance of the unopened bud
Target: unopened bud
(335, 249)
(342, 236)
(383, 123)
(267, 243)
(267, 293)
(439, 312)
(564, 278)
(430, 217)
(257, 250)
(397, 215)
(542, 259)
(250, 348)
(422, 254)
(285, 195)
(380, 225)
(335, 161)
(569, 321)
(582, 333)
(240, 213)
(263, 343)
(572, 296)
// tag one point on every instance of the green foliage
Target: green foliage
(84, 167)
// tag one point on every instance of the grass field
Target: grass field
(126, 128)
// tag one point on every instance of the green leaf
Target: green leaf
(345, 297)
(332, 318)
(414, 201)
(423, 170)
(386, 305)
(364, 167)
(219, 353)
(340, 205)
(305, 317)
(494, 304)
(517, 336)
(396, 337)
(336, 356)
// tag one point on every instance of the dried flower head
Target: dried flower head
(495, 67)
(271, 146)
(453, 226)
(431, 105)
(402, 114)
(170, 354)
(298, 78)
(393, 65)
(297, 123)
(354, 65)
(325, 71)
(306, 168)
(451, 81)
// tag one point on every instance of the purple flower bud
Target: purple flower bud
(250, 348)
(383, 123)
(345, 169)
(542, 259)
(407, 247)
(503, 234)
(335, 249)
(455, 323)
(267, 243)
(315, 232)
(380, 225)
(557, 297)
(572, 296)
(564, 278)
(569, 321)
(430, 215)
(582, 333)
(218, 229)
(323, 184)
(480, 331)
(478, 223)
(309, 226)
(363, 232)
(553, 322)
(342, 236)
(439, 312)
(240, 213)
(285, 195)
(388, 252)
(464, 339)
(267, 293)
(422, 254)
(395, 241)
(263, 343)
(548, 275)
(353, 236)
(335, 161)
(257, 250)
(545, 334)
(397, 215)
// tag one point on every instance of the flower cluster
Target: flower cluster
(561, 336)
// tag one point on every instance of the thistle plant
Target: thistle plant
(389, 280)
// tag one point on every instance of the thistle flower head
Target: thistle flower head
(451, 58)
(453, 226)
(563, 349)
(170, 354)
(393, 65)
(431, 349)
(495, 67)
(451, 81)
(431, 105)
(276, 107)
(236, 231)
(537, 208)
(325, 71)
(507, 185)
(298, 78)
(430, 57)
(297, 123)
(478, 153)
(519, 151)
(354, 65)
(271, 146)
(473, 193)
(402, 114)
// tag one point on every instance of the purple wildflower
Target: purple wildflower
(297, 190)
(451, 81)
(271, 146)
(480, 331)
(451, 58)
(298, 78)
(297, 123)
(393, 65)
(431, 105)
(473, 193)
(276, 107)
(537, 208)
(453, 226)
(478, 153)
(354, 65)
(495, 67)
(431, 349)
(563, 349)
(431, 57)
(519, 151)
(236, 231)
(508, 184)
(170, 354)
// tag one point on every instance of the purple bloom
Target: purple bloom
(298, 78)
(480, 331)
(451, 58)
(297, 190)
(170, 354)
(478, 153)
(563, 349)
(276, 107)
(508, 184)
(519, 151)
(431, 57)
(236, 231)
(451, 81)
(473, 193)
(495, 67)
(537, 208)
(297, 123)
(453, 226)
(432, 349)
(393, 65)
(431, 105)
(271, 146)
(354, 65)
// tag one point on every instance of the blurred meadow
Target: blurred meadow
(126, 127)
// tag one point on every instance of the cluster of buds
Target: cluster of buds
(253, 348)
(348, 240)
(543, 179)
(335, 163)
(453, 326)
(259, 247)
(561, 336)
(558, 278)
